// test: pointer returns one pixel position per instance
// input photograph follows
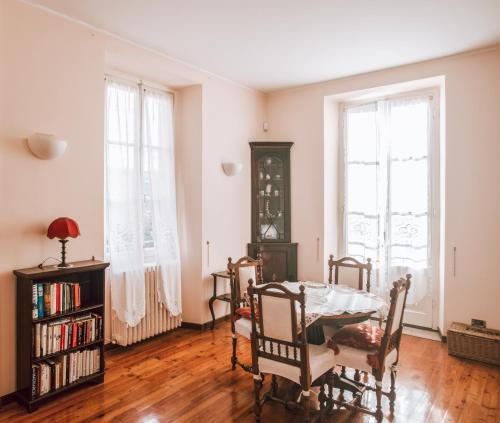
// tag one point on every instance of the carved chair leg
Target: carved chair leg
(257, 385)
(392, 392)
(378, 390)
(322, 396)
(342, 375)
(233, 356)
(306, 406)
(357, 375)
(274, 386)
(330, 380)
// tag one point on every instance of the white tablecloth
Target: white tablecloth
(333, 300)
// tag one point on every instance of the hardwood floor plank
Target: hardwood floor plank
(185, 376)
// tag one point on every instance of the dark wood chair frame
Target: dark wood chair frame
(296, 352)
(352, 263)
(237, 300)
(390, 341)
(333, 277)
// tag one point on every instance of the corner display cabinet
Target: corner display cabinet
(271, 235)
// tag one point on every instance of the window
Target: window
(141, 212)
(389, 189)
(136, 119)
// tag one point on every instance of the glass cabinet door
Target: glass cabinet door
(271, 198)
(271, 191)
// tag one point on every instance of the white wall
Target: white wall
(52, 80)
(472, 151)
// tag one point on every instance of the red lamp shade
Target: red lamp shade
(62, 228)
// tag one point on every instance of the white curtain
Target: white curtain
(124, 198)
(387, 191)
(159, 177)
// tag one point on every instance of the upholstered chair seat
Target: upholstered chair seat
(355, 358)
(243, 327)
(321, 359)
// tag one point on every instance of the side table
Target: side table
(222, 297)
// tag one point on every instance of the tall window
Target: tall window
(388, 190)
(141, 220)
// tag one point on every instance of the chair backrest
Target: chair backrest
(239, 273)
(350, 271)
(394, 325)
(279, 333)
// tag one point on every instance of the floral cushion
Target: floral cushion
(246, 313)
(362, 336)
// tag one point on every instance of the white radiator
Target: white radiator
(157, 319)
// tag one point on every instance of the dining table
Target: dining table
(335, 305)
(332, 306)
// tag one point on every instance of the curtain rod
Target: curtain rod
(137, 81)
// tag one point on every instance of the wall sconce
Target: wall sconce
(46, 146)
(232, 169)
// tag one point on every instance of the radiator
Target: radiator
(157, 319)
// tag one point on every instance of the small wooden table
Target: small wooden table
(226, 297)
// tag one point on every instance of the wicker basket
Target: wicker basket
(475, 343)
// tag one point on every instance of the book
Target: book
(46, 299)
(40, 300)
(43, 343)
(34, 301)
(34, 380)
(53, 309)
(37, 340)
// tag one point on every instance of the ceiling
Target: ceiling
(275, 44)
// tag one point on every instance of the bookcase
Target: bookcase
(70, 312)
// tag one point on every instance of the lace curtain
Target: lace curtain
(124, 204)
(387, 190)
(140, 198)
(159, 172)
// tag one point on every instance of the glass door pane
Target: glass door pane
(271, 198)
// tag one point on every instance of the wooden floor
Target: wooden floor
(184, 376)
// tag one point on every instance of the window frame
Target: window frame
(436, 169)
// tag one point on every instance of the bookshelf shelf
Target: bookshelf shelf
(68, 313)
(67, 351)
(88, 278)
(81, 381)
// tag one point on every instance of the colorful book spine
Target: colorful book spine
(40, 300)
(34, 301)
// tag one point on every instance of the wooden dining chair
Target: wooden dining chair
(350, 271)
(280, 348)
(373, 349)
(239, 273)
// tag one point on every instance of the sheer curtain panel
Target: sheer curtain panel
(159, 186)
(387, 190)
(124, 201)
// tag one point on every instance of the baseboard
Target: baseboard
(438, 330)
(206, 325)
(443, 337)
(420, 327)
(5, 399)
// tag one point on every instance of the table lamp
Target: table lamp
(62, 228)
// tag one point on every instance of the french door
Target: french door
(390, 196)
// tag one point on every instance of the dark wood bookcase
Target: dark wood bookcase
(271, 210)
(90, 275)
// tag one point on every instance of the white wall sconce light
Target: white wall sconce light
(46, 146)
(232, 169)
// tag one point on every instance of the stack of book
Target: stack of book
(55, 297)
(63, 334)
(50, 375)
